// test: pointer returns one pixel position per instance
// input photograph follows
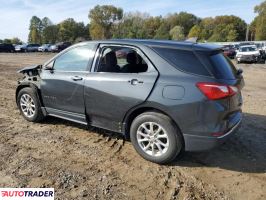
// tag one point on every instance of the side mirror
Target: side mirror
(49, 66)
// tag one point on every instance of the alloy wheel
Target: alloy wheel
(152, 138)
(27, 105)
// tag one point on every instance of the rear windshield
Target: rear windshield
(184, 60)
(219, 65)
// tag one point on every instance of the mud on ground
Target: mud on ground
(89, 163)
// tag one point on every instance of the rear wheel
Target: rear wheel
(155, 137)
(29, 105)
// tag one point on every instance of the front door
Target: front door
(122, 78)
(62, 86)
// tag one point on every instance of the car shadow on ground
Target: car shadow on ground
(105, 133)
(243, 152)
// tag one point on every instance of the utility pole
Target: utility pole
(247, 32)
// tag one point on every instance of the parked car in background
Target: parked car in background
(259, 46)
(161, 95)
(27, 48)
(236, 47)
(45, 48)
(60, 46)
(246, 44)
(229, 51)
(264, 47)
(7, 48)
(248, 53)
(20, 47)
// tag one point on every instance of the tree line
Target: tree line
(107, 21)
(44, 31)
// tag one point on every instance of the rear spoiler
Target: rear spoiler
(192, 39)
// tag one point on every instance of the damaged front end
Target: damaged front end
(31, 74)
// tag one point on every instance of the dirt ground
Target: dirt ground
(88, 163)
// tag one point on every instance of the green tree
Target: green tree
(151, 25)
(163, 32)
(70, 30)
(252, 29)
(183, 19)
(102, 20)
(195, 31)
(7, 41)
(46, 22)
(35, 30)
(177, 33)
(50, 34)
(260, 21)
(16, 40)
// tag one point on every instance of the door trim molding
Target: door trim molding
(75, 117)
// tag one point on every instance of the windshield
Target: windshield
(247, 49)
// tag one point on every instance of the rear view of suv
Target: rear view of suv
(164, 96)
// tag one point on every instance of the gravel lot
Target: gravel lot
(88, 163)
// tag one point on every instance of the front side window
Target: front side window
(75, 59)
(116, 59)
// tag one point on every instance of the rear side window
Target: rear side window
(183, 59)
(219, 65)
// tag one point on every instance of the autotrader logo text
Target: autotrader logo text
(27, 193)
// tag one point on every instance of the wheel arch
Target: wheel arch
(130, 116)
(30, 85)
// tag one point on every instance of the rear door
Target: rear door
(114, 87)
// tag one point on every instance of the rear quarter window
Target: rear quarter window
(183, 60)
(219, 65)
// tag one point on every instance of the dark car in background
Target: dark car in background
(60, 46)
(7, 48)
(229, 51)
(164, 96)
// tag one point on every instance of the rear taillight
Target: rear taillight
(214, 91)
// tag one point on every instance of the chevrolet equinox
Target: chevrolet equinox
(165, 96)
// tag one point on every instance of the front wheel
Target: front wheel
(155, 137)
(29, 106)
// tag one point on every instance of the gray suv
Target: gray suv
(165, 96)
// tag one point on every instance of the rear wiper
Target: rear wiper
(239, 72)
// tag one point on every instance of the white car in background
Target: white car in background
(45, 48)
(248, 53)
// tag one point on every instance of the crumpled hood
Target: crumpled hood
(29, 68)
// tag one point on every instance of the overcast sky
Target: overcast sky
(15, 14)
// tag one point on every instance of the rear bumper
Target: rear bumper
(202, 143)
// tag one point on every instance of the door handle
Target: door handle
(76, 78)
(134, 81)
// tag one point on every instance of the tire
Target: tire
(168, 128)
(36, 114)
